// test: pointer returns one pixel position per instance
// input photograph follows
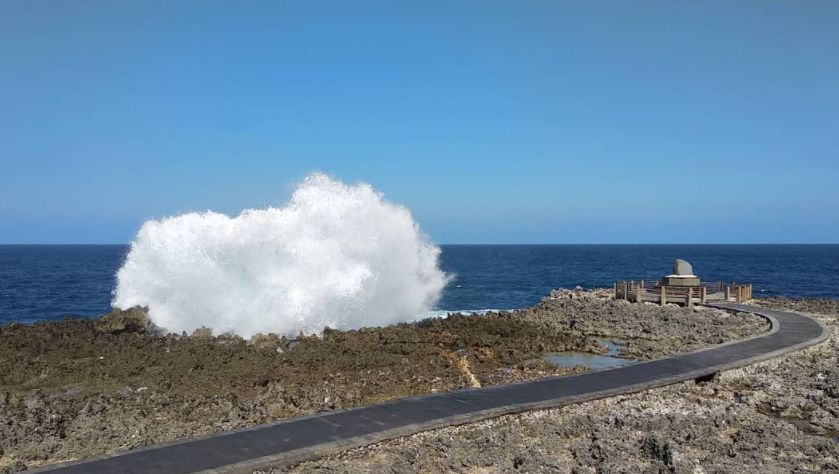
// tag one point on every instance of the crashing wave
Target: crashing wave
(335, 256)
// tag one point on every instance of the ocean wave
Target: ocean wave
(442, 313)
(336, 256)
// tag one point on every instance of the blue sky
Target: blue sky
(494, 122)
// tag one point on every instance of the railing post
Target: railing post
(616, 290)
(727, 293)
(663, 295)
(625, 290)
(639, 292)
(703, 297)
(690, 298)
(720, 285)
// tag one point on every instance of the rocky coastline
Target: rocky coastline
(80, 388)
(778, 416)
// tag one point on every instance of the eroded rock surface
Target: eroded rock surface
(651, 331)
(779, 416)
(80, 388)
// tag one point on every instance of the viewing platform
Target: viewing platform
(713, 292)
(682, 287)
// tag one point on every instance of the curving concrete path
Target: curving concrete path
(299, 439)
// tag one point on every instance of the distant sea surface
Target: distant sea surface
(48, 282)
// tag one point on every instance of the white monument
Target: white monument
(682, 275)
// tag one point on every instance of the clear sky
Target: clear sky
(494, 122)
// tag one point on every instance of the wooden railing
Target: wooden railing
(640, 291)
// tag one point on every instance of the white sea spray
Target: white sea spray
(335, 256)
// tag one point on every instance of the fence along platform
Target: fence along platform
(717, 291)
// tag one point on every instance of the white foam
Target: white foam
(443, 313)
(337, 255)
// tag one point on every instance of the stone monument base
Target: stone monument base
(680, 280)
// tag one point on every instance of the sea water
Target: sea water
(46, 282)
(591, 361)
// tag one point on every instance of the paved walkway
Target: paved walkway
(298, 439)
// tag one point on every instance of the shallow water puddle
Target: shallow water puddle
(65, 393)
(588, 360)
(801, 424)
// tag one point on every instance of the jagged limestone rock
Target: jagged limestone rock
(130, 320)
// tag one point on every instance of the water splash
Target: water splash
(336, 255)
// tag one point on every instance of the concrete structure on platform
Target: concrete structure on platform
(682, 275)
(682, 287)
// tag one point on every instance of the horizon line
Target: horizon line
(4, 244)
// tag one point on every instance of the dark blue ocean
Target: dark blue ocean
(50, 282)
